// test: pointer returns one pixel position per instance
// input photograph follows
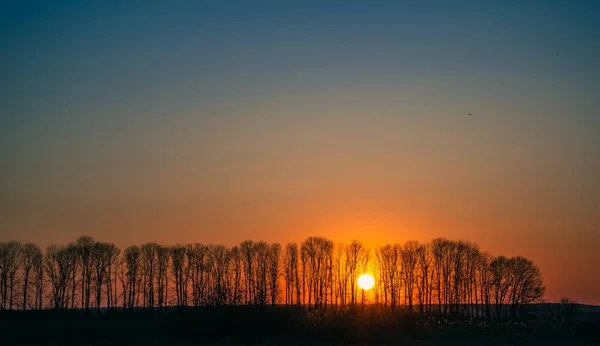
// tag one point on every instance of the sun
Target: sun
(366, 282)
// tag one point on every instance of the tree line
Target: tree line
(440, 277)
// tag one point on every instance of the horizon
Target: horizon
(216, 122)
(370, 269)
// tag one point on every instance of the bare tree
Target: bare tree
(149, 262)
(291, 274)
(75, 253)
(31, 254)
(484, 282)
(456, 275)
(59, 264)
(470, 283)
(162, 254)
(3, 274)
(527, 284)
(261, 280)
(218, 263)
(499, 269)
(121, 274)
(383, 287)
(132, 257)
(364, 265)
(112, 254)
(181, 271)
(354, 255)
(424, 281)
(342, 274)
(409, 258)
(197, 260)
(459, 259)
(100, 260)
(237, 271)
(85, 246)
(273, 271)
(392, 259)
(38, 278)
(247, 250)
(442, 250)
(10, 262)
(316, 260)
(330, 282)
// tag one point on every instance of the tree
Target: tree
(342, 275)
(484, 282)
(354, 255)
(291, 276)
(454, 275)
(149, 263)
(366, 257)
(100, 261)
(85, 246)
(248, 253)
(121, 274)
(316, 254)
(31, 255)
(162, 254)
(237, 272)
(38, 278)
(181, 271)
(197, 260)
(10, 261)
(408, 256)
(500, 284)
(442, 263)
(424, 276)
(261, 258)
(112, 254)
(59, 264)
(471, 259)
(132, 257)
(218, 264)
(273, 271)
(527, 283)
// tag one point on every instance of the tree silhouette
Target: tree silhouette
(443, 277)
(10, 261)
(131, 282)
(408, 255)
(273, 271)
(162, 254)
(424, 275)
(291, 276)
(111, 276)
(149, 265)
(31, 254)
(85, 246)
(355, 252)
(180, 270)
(59, 263)
(197, 260)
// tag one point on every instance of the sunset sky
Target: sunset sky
(220, 121)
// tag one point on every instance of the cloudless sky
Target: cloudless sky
(219, 121)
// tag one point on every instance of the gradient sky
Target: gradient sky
(219, 121)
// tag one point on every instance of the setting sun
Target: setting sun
(366, 282)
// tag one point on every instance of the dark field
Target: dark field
(279, 325)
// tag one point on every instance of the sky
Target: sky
(220, 121)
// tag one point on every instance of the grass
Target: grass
(279, 325)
